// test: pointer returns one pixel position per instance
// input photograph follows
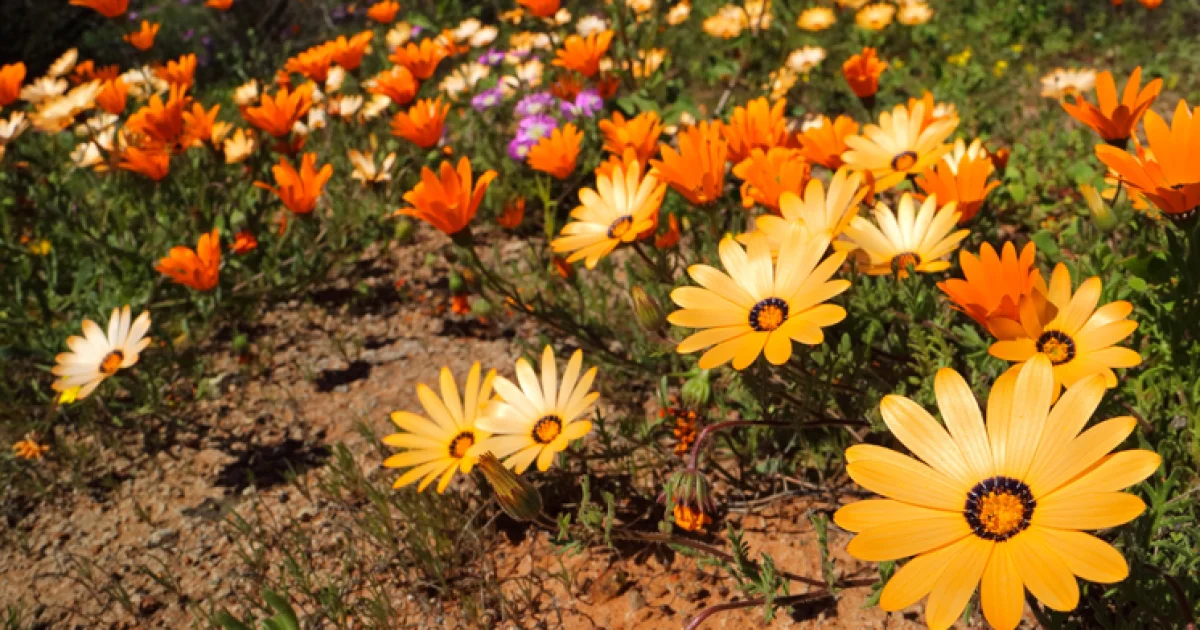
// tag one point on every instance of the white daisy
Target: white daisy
(96, 356)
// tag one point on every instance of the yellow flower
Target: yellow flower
(901, 144)
(999, 505)
(438, 444)
(918, 238)
(68, 395)
(816, 19)
(40, 247)
(535, 421)
(365, 169)
(823, 214)
(619, 210)
(758, 307)
(875, 17)
(1069, 330)
(914, 12)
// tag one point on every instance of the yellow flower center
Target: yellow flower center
(904, 161)
(112, 362)
(768, 314)
(620, 227)
(546, 429)
(461, 444)
(1057, 346)
(900, 262)
(999, 508)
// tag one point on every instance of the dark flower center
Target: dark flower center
(904, 161)
(900, 262)
(461, 444)
(620, 227)
(1057, 346)
(999, 508)
(546, 429)
(768, 314)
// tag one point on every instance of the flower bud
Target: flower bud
(648, 314)
(516, 497)
(691, 501)
(697, 390)
(457, 284)
(404, 231)
(1102, 215)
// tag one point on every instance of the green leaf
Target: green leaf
(1017, 192)
(287, 616)
(228, 622)
(1045, 242)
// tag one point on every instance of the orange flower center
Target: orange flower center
(900, 262)
(620, 227)
(112, 362)
(461, 444)
(999, 508)
(1057, 346)
(904, 161)
(768, 314)
(547, 429)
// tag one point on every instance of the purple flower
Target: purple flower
(416, 30)
(519, 148)
(536, 127)
(492, 57)
(536, 103)
(188, 34)
(487, 99)
(586, 104)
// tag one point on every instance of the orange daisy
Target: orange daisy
(556, 153)
(220, 5)
(159, 123)
(540, 8)
(153, 162)
(583, 55)
(423, 123)
(967, 184)
(862, 72)
(198, 124)
(396, 83)
(348, 53)
(107, 8)
(313, 63)
(112, 96)
(697, 170)
(181, 72)
(299, 190)
(143, 39)
(421, 60)
(993, 286)
(758, 125)
(244, 242)
(277, 114)
(768, 174)
(446, 200)
(639, 133)
(1166, 173)
(11, 77)
(1114, 120)
(383, 12)
(825, 143)
(198, 269)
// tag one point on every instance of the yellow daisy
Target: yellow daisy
(875, 17)
(1000, 506)
(535, 421)
(898, 146)
(437, 444)
(1078, 338)
(918, 238)
(622, 207)
(758, 307)
(816, 19)
(821, 213)
(95, 356)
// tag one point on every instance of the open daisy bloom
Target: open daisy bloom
(822, 213)
(423, 123)
(899, 146)
(816, 19)
(421, 60)
(909, 237)
(278, 114)
(1069, 330)
(965, 183)
(536, 421)
(96, 356)
(999, 505)
(993, 286)
(446, 200)
(825, 143)
(1166, 173)
(622, 208)
(768, 174)
(758, 307)
(397, 83)
(1115, 120)
(758, 125)
(697, 169)
(437, 444)
(556, 153)
(583, 55)
(198, 269)
(299, 190)
(639, 133)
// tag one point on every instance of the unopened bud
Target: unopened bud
(648, 313)
(241, 344)
(516, 497)
(404, 231)
(688, 494)
(1102, 215)
(457, 285)
(697, 390)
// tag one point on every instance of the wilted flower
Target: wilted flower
(516, 497)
